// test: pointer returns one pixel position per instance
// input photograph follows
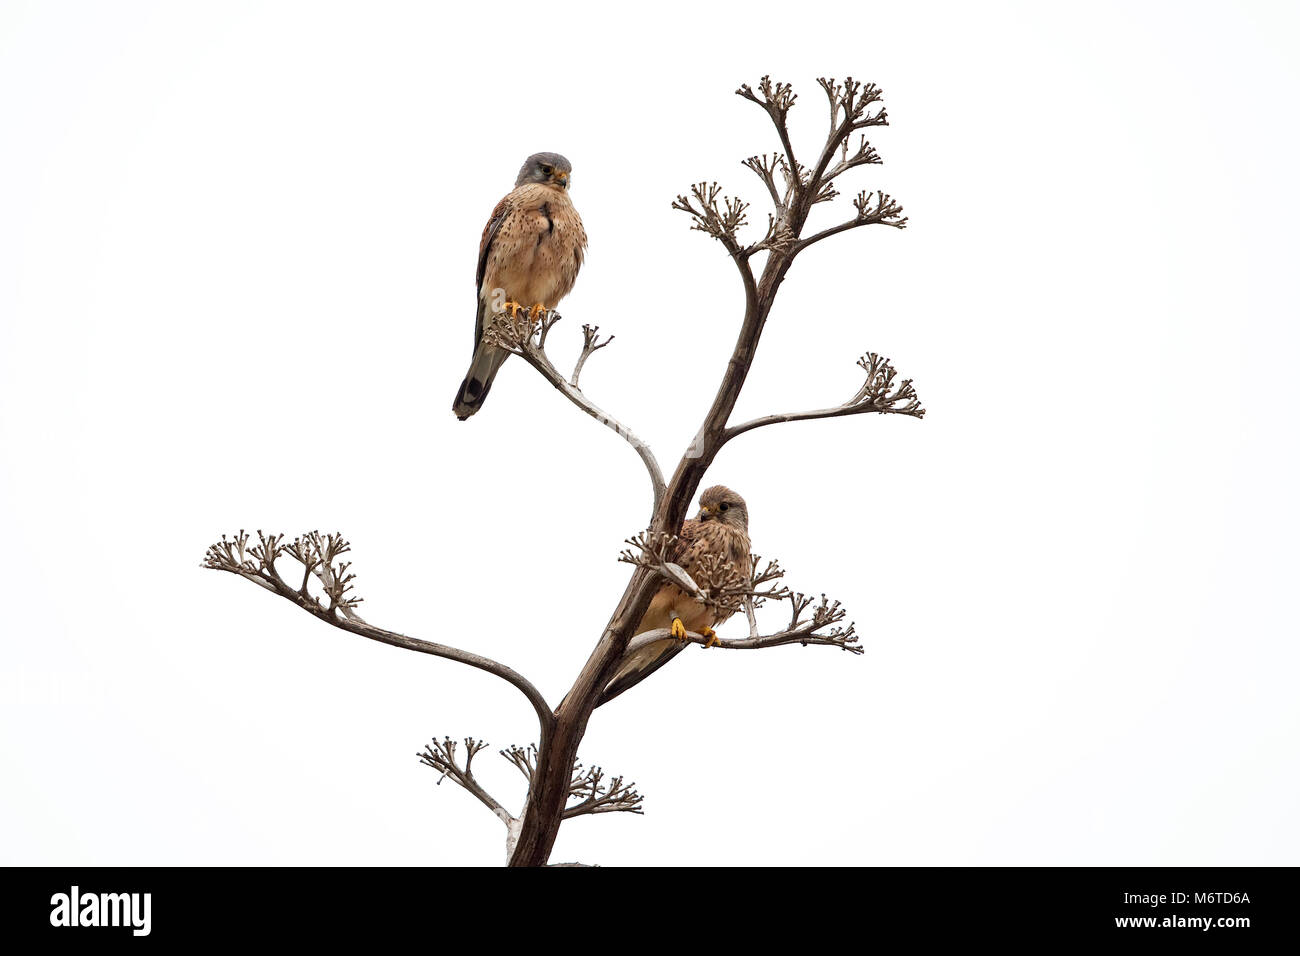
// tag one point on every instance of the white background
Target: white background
(237, 246)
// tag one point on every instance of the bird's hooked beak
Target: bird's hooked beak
(562, 179)
(705, 513)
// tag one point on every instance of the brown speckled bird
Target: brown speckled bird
(529, 257)
(721, 529)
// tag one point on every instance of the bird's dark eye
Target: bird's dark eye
(547, 170)
(723, 507)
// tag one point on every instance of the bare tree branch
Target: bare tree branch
(596, 794)
(441, 756)
(776, 99)
(588, 785)
(523, 758)
(849, 102)
(316, 553)
(864, 155)
(884, 212)
(721, 220)
(590, 343)
(765, 169)
(519, 335)
(800, 630)
(877, 395)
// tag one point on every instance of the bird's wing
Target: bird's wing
(690, 546)
(490, 232)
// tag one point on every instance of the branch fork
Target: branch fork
(590, 788)
(520, 335)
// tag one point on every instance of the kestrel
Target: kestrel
(529, 257)
(722, 529)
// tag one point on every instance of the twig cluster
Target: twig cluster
(878, 393)
(597, 794)
(720, 216)
(316, 553)
(776, 100)
(849, 101)
(881, 208)
(849, 106)
(517, 332)
(441, 756)
(766, 168)
(825, 613)
(794, 187)
(593, 791)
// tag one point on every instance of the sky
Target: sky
(237, 249)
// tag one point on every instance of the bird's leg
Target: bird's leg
(537, 311)
(513, 308)
(712, 636)
(679, 630)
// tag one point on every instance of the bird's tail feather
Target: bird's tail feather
(640, 665)
(478, 380)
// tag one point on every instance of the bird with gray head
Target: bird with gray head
(721, 530)
(528, 259)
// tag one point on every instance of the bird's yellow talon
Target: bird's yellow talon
(537, 311)
(513, 308)
(712, 636)
(679, 629)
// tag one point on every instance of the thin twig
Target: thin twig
(441, 756)
(590, 343)
(519, 336)
(877, 395)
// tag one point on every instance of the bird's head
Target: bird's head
(721, 504)
(550, 168)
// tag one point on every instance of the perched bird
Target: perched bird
(722, 529)
(529, 257)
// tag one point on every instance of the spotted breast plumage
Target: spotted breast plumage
(529, 257)
(721, 530)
